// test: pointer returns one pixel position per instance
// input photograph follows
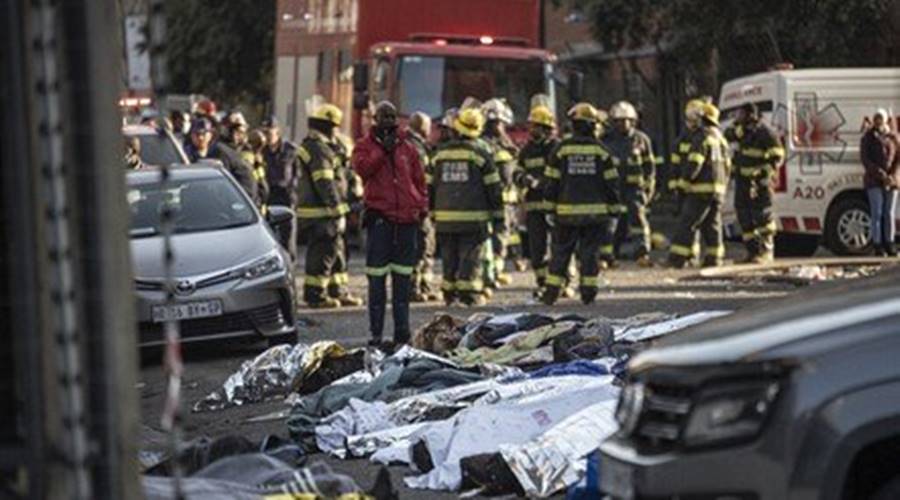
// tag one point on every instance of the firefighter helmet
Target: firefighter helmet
(469, 122)
(236, 119)
(584, 111)
(448, 118)
(206, 107)
(623, 110)
(711, 113)
(693, 110)
(497, 109)
(541, 115)
(329, 113)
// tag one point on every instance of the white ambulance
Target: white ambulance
(821, 115)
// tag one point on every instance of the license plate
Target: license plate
(616, 479)
(187, 310)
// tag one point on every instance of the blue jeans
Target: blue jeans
(883, 209)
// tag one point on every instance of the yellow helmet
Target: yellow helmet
(541, 115)
(711, 113)
(584, 111)
(693, 110)
(469, 122)
(328, 112)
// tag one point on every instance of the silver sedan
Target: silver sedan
(231, 276)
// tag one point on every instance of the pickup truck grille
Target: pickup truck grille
(663, 417)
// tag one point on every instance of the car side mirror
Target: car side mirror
(360, 76)
(279, 215)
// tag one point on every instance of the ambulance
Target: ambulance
(821, 115)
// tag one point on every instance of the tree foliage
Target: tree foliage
(224, 50)
(717, 35)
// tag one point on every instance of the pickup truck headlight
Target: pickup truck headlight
(729, 413)
(269, 264)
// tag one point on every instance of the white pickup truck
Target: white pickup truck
(821, 115)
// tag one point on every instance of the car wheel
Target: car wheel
(795, 245)
(889, 491)
(286, 338)
(848, 227)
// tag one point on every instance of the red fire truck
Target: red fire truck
(423, 56)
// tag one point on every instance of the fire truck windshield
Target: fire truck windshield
(432, 84)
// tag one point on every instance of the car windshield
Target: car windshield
(199, 205)
(432, 84)
(158, 150)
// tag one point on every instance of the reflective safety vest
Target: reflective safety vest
(637, 164)
(707, 163)
(582, 178)
(759, 151)
(321, 187)
(532, 163)
(465, 186)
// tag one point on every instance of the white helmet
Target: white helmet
(497, 109)
(623, 110)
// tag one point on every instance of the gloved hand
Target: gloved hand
(341, 224)
(550, 218)
(389, 140)
(532, 182)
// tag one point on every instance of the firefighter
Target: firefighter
(504, 237)
(530, 179)
(423, 289)
(256, 146)
(282, 167)
(679, 156)
(581, 182)
(704, 178)
(758, 155)
(350, 188)
(237, 137)
(637, 178)
(396, 201)
(322, 209)
(465, 188)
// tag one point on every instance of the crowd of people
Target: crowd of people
(571, 201)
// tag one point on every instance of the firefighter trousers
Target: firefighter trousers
(324, 248)
(340, 279)
(584, 242)
(538, 243)
(633, 224)
(499, 235)
(753, 204)
(461, 262)
(391, 249)
(703, 214)
(423, 275)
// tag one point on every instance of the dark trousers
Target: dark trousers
(538, 243)
(287, 234)
(324, 245)
(753, 204)
(391, 249)
(703, 214)
(633, 224)
(584, 242)
(461, 263)
(427, 245)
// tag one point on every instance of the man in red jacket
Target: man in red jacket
(396, 200)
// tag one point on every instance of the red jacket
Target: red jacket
(395, 183)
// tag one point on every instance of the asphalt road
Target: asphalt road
(629, 291)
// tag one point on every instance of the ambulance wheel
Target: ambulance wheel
(795, 245)
(847, 226)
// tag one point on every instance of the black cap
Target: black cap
(270, 121)
(201, 125)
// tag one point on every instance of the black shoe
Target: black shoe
(374, 342)
(890, 250)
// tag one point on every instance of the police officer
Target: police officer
(529, 177)
(465, 188)
(322, 209)
(282, 167)
(423, 289)
(704, 177)
(758, 156)
(637, 178)
(203, 146)
(504, 238)
(581, 180)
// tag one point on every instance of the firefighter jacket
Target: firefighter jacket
(759, 151)
(706, 166)
(678, 158)
(505, 161)
(637, 164)
(321, 186)
(258, 170)
(529, 176)
(582, 182)
(422, 148)
(465, 186)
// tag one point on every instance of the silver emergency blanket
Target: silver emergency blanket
(555, 459)
(632, 330)
(525, 416)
